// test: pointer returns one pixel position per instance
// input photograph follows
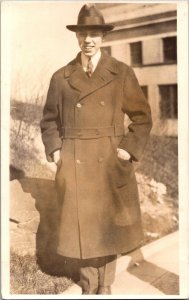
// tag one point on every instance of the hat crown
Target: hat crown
(90, 15)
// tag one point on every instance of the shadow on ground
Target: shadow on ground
(46, 203)
(162, 279)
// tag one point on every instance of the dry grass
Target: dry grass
(27, 278)
(26, 148)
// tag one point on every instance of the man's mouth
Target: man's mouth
(88, 47)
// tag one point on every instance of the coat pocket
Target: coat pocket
(122, 162)
(127, 210)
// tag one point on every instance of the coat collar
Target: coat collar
(105, 72)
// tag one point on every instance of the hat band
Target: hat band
(90, 21)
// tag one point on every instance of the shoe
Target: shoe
(104, 290)
(89, 292)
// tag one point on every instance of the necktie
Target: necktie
(89, 70)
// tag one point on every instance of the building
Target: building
(145, 37)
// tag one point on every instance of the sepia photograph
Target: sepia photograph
(94, 164)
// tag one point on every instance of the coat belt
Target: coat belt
(91, 133)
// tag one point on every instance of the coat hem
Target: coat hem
(124, 251)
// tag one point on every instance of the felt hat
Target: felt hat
(90, 18)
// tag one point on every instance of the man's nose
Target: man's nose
(87, 38)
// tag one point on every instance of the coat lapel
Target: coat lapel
(104, 73)
(75, 74)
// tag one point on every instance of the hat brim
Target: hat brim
(105, 27)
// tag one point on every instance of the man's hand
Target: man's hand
(56, 156)
(123, 154)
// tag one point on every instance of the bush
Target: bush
(160, 162)
(26, 148)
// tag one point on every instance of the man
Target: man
(83, 133)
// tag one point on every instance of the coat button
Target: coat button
(102, 103)
(78, 105)
(78, 161)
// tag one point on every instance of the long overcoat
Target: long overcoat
(98, 195)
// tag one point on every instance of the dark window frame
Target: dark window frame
(168, 101)
(170, 49)
(136, 53)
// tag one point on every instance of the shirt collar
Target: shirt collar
(95, 59)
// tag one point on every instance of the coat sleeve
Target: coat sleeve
(50, 123)
(137, 108)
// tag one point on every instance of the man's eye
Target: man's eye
(92, 34)
(95, 34)
(82, 33)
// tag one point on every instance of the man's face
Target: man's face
(89, 41)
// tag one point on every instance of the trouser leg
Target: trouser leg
(107, 271)
(97, 273)
(88, 279)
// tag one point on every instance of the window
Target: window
(170, 49)
(107, 50)
(136, 53)
(145, 90)
(168, 101)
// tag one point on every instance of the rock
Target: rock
(158, 187)
(150, 190)
(157, 213)
(152, 234)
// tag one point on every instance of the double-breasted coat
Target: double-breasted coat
(97, 191)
